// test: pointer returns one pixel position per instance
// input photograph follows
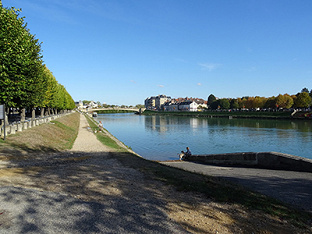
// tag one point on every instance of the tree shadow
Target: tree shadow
(83, 193)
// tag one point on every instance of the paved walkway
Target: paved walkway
(294, 188)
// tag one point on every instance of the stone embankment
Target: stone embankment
(266, 160)
(21, 126)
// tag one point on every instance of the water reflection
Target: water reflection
(165, 123)
(162, 137)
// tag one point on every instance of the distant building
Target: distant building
(156, 103)
(188, 106)
(79, 105)
(162, 102)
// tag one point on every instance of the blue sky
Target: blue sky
(123, 51)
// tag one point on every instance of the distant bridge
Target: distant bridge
(116, 109)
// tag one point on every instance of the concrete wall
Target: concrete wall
(268, 160)
(21, 126)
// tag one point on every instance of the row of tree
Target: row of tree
(25, 82)
(300, 100)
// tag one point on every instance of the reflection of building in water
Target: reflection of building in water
(194, 122)
(165, 123)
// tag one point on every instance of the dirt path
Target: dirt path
(86, 141)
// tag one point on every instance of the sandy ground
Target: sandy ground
(86, 190)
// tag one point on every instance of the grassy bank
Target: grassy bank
(58, 135)
(234, 114)
(104, 136)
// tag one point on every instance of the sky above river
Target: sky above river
(123, 51)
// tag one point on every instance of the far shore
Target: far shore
(282, 115)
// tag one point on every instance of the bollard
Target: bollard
(24, 125)
(29, 124)
(37, 122)
(19, 127)
(12, 129)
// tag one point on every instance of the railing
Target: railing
(18, 126)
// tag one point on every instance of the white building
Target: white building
(188, 106)
(182, 106)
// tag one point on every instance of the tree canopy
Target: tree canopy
(25, 82)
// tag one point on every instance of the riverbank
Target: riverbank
(120, 192)
(237, 114)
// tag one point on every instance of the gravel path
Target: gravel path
(91, 192)
(86, 141)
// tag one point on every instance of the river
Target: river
(163, 137)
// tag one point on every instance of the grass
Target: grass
(57, 135)
(103, 136)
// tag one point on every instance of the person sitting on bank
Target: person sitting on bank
(100, 126)
(188, 152)
(184, 155)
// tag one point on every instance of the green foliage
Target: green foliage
(303, 100)
(211, 99)
(224, 103)
(284, 101)
(24, 81)
(138, 106)
(234, 104)
(214, 105)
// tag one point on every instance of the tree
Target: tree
(214, 105)
(138, 106)
(284, 101)
(303, 100)
(21, 70)
(270, 102)
(224, 103)
(211, 99)
(234, 104)
(304, 90)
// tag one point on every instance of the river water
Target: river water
(163, 137)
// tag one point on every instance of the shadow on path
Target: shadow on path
(88, 193)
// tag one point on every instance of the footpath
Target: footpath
(294, 188)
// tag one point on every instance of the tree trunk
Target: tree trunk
(23, 114)
(42, 112)
(6, 116)
(33, 113)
